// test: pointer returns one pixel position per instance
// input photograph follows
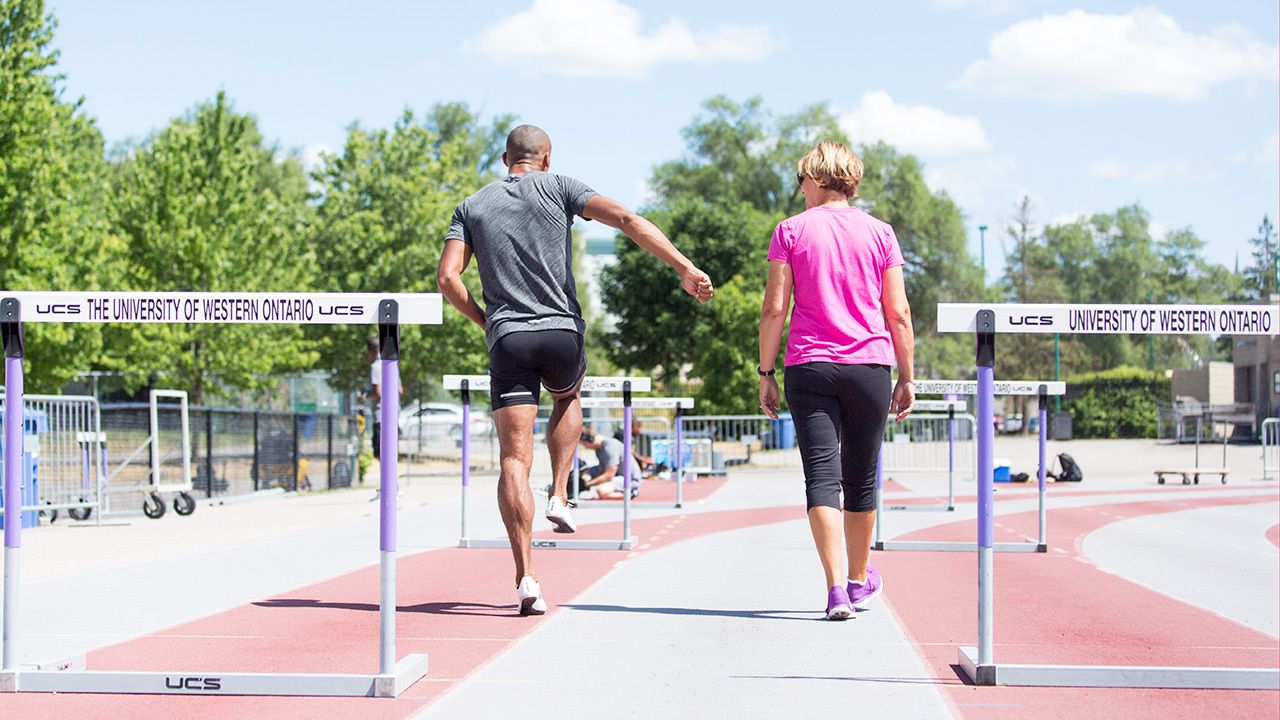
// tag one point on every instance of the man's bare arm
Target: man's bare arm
(648, 236)
(453, 261)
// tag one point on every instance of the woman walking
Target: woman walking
(850, 322)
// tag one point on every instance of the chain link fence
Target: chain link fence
(233, 451)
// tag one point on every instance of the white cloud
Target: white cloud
(1158, 173)
(917, 129)
(312, 156)
(1083, 56)
(1158, 230)
(1068, 218)
(970, 182)
(605, 38)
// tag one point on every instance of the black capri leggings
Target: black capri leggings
(839, 412)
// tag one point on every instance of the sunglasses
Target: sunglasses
(799, 178)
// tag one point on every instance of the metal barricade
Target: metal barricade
(717, 442)
(932, 445)
(1271, 448)
(68, 453)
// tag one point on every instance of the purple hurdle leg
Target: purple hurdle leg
(389, 342)
(10, 317)
(1042, 542)
(466, 450)
(986, 489)
(626, 460)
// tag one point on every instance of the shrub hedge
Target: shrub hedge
(1116, 403)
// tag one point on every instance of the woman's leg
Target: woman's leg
(858, 527)
(816, 413)
(865, 393)
(824, 523)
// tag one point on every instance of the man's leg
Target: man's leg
(563, 431)
(515, 499)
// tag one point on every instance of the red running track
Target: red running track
(1061, 609)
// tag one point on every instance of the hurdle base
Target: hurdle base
(547, 544)
(1116, 676)
(615, 504)
(925, 546)
(920, 508)
(408, 671)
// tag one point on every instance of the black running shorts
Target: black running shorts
(840, 412)
(521, 363)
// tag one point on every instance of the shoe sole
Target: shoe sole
(527, 608)
(560, 525)
(840, 613)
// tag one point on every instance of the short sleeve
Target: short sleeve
(458, 227)
(375, 373)
(893, 253)
(575, 194)
(780, 244)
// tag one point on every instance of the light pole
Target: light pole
(982, 243)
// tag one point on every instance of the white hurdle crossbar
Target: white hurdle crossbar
(1042, 389)
(679, 404)
(985, 322)
(387, 311)
(481, 383)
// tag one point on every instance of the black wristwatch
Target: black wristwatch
(763, 373)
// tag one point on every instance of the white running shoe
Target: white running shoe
(558, 514)
(530, 595)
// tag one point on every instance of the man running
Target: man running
(520, 230)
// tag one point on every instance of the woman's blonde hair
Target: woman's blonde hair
(833, 167)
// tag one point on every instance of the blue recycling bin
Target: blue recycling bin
(33, 422)
(783, 431)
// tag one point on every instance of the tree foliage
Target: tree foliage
(53, 220)
(384, 207)
(205, 206)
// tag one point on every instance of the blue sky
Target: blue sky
(1084, 106)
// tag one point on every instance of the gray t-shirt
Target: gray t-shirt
(610, 453)
(520, 230)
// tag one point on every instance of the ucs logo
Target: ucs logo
(341, 310)
(1033, 320)
(58, 309)
(543, 543)
(193, 683)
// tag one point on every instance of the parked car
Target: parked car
(437, 421)
(1012, 424)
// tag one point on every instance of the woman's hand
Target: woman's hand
(904, 399)
(769, 396)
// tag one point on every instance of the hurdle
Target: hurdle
(926, 407)
(387, 311)
(679, 404)
(1042, 389)
(481, 383)
(985, 322)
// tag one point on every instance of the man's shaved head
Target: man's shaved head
(527, 142)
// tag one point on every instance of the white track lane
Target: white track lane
(1217, 558)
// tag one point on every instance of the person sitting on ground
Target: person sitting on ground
(605, 480)
(648, 467)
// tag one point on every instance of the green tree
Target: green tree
(658, 326)
(53, 188)
(385, 203)
(1262, 276)
(205, 206)
(930, 230)
(719, 205)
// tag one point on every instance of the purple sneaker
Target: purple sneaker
(838, 607)
(861, 594)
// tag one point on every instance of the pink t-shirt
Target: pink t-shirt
(838, 256)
